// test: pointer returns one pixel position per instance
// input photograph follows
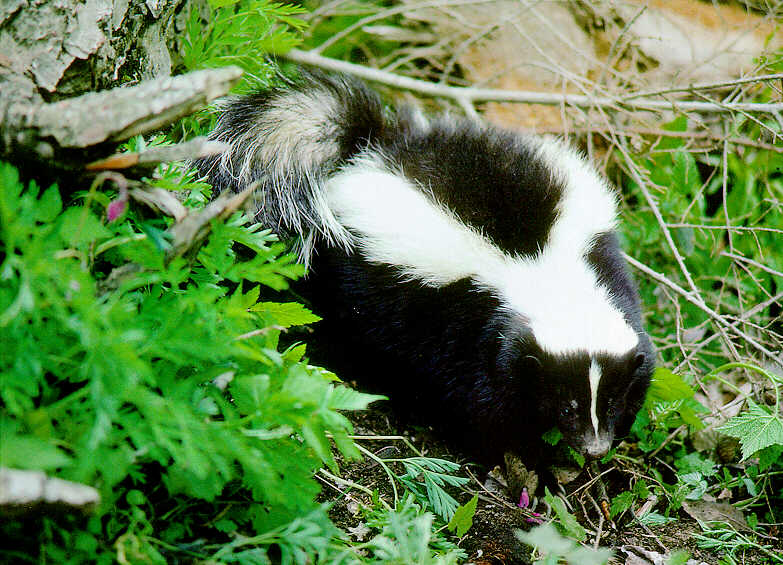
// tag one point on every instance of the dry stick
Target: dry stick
(732, 228)
(707, 86)
(754, 263)
(727, 219)
(666, 441)
(773, 112)
(678, 322)
(744, 316)
(752, 277)
(689, 296)
(492, 495)
(553, 65)
(407, 55)
(663, 133)
(520, 96)
(637, 177)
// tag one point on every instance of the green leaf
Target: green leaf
(315, 438)
(678, 557)
(79, 226)
(462, 520)
(49, 205)
(685, 174)
(28, 452)
(655, 519)
(568, 522)
(346, 398)
(695, 463)
(621, 503)
(666, 386)
(770, 455)
(548, 540)
(756, 429)
(552, 437)
(285, 314)
(226, 526)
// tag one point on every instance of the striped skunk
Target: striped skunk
(472, 273)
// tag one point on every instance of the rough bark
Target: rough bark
(55, 55)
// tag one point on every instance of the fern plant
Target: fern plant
(160, 386)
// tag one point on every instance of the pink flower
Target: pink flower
(524, 499)
(116, 208)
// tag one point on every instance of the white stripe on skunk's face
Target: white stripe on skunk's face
(597, 443)
(398, 223)
(594, 378)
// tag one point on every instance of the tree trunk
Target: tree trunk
(55, 53)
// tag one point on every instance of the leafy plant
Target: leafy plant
(170, 377)
(556, 548)
(406, 536)
(565, 520)
(462, 520)
(240, 32)
(729, 542)
(425, 478)
(760, 428)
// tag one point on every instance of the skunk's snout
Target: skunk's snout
(596, 447)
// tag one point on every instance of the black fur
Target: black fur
(453, 354)
(480, 174)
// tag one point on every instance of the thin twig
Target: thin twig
(705, 86)
(761, 266)
(629, 131)
(519, 96)
(723, 323)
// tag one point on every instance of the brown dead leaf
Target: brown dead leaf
(706, 511)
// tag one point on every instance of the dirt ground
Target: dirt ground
(491, 540)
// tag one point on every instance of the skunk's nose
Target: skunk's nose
(597, 447)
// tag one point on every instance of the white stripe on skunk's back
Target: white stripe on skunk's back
(397, 223)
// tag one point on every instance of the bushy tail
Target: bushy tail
(289, 140)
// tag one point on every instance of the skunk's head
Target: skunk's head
(592, 398)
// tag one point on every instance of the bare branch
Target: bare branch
(708, 86)
(520, 96)
(699, 303)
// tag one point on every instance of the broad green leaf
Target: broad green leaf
(571, 527)
(621, 503)
(665, 385)
(285, 314)
(655, 519)
(770, 455)
(346, 398)
(552, 437)
(559, 549)
(49, 205)
(756, 429)
(79, 226)
(28, 452)
(462, 520)
(685, 175)
(678, 557)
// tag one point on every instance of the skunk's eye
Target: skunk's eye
(566, 411)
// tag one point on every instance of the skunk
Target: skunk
(472, 273)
